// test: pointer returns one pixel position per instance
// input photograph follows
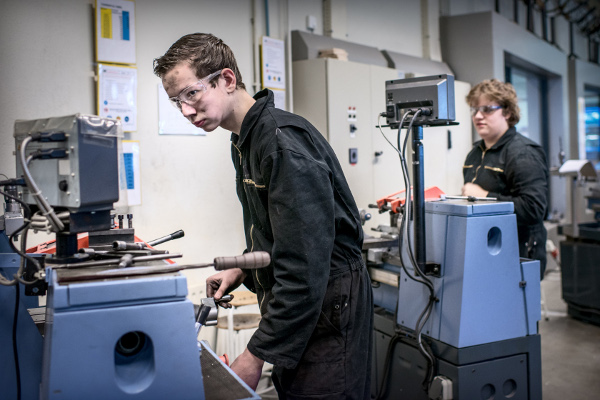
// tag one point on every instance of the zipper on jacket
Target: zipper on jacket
(479, 166)
(256, 272)
(239, 151)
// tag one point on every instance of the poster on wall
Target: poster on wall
(117, 94)
(115, 31)
(273, 63)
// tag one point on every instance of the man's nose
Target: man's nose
(187, 110)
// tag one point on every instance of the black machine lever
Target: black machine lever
(175, 235)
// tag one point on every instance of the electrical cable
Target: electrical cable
(15, 282)
(404, 229)
(408, 202)
(25, 205)
(35, 191)
(406, 184)
(46, 210)
(407, 213)
(40, 223)
(382, 390)
(429, 307)
(386, 367)
(383, 134)
(22, 253)
(14, 340)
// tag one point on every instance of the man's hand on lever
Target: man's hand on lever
(232, 275)
(219, 284)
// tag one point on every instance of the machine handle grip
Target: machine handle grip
(175, 235)
(254, 260)
(178, 234)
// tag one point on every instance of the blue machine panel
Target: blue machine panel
(123, 348)
(466, 208)
(138, 289)
(484, 293)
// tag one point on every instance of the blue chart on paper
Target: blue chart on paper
(128, 158)
(125, 17)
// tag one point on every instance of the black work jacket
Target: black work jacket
(298, 207)
(514, 169)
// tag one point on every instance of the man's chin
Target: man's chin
(208, 128)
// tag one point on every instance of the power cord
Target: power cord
(404, 229)
(14, 340)
(42, 203)
(22, 253)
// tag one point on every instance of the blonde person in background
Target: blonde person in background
(508, 166)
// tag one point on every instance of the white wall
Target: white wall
(385, 24)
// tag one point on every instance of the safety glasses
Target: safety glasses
(485, 110)
(192, 93)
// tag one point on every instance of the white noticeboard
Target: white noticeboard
(170, 120)
(273, 63)
(117, 94)
(115, 31)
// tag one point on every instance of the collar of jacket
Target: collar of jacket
(265, 98)
(505, 138)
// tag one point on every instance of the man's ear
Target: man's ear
(230, 79)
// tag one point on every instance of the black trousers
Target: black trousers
(337, 361)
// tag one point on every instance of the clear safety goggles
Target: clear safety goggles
(485, 110)
(192, 93)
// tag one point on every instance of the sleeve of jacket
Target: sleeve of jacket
(301, 209)
(527, 180)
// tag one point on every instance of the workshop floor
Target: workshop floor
(570, 349)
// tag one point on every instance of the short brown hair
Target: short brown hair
(206, 54)
(502, 93)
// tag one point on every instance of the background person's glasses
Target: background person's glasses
(485, 110)
(191, 94)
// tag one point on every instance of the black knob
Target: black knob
(63, 185)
